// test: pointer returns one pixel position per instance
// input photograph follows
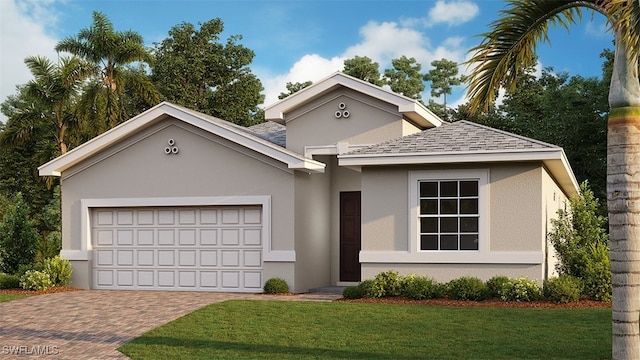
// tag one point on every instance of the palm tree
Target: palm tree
(54, 90)
(500, 59)
(105, 98)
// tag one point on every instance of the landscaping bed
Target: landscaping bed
(497, 303)
(56, 289)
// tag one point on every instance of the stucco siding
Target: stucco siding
(312, 232)
(369, 121)
(205, 166)
(553, 199)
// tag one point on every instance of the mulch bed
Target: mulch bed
(543, 304)
(34, 292)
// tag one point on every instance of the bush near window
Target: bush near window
(276, 286)
(36, 280)
(521, 289)
(581, 242)
(386, 283)
(352, 292)
(9, 281)
(59, 270)
(495, 284)
(562, 289)
(420, 287)
(467, 288)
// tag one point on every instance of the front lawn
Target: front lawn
(9, 297)
(342, 330)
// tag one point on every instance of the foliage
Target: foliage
(50, 242)
(276, 286)
(443, 77)
(363, 68)
(420, 287)
(48, 246)
(352, 292)
(22, 269)
(366, 287)
(467, 288)
(405, 77)
(106, 96)
(18, 236)
(193, 68)
(339, 330)
(580, 240)
(495, 284)
(36, 280)
(386, 283)
(562, 289)
(8, 281)
(521, 289)
(59, 270)
(293, 88)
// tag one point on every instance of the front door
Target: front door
(350, 236)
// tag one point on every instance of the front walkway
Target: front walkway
(92, 324)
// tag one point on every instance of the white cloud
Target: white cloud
(453, 13)
(25, 30)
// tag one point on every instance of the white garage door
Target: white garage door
(184, 248)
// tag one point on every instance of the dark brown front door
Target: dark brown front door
(349, 235)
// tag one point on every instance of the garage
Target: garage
(208, 248)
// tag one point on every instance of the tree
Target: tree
(193, 69)
(363, 68)
(443, 77)
(110, 52)
(293, 88)
(499, 59)
(405, 78)
(18, 236)
(581, 242)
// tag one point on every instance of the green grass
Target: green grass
(309, 330)
(9, 297)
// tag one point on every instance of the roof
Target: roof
(271, 131)
(464, 142)
(205, 122)
(410, 108)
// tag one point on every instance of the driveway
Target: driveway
(92, 324)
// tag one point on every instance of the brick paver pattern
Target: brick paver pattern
(92, 324)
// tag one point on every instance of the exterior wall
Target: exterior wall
(518, 207)
(206, 166)
(370, 121)
(554, 199)
(312, 229)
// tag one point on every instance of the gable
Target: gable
(161, 112)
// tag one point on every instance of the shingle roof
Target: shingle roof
(270, 131)
(460, 136)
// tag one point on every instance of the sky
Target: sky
(296, 40)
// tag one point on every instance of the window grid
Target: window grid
(448, 215)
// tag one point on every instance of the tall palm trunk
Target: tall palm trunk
(623, 188)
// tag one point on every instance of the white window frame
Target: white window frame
(479, 175)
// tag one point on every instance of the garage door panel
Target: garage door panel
(187, 248)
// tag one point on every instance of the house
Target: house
(344, 181)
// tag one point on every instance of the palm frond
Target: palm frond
(510, 46)
(625, 17)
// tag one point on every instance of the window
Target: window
(448, 214)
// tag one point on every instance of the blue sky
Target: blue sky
(295, 40)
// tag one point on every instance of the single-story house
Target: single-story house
(345, 180)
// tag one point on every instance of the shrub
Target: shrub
(59, 270)
(420, 287)
(562, 289)
(9, 281)
(386, 283)
(276, 286)
(48, 246)
(352, 292)
(35, 280)
(580, 239)
(467, 288)
(22, 269)
(18, 236)
(521, 289)
(495, 284)
(366, 287)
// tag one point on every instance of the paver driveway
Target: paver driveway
(92, 324)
